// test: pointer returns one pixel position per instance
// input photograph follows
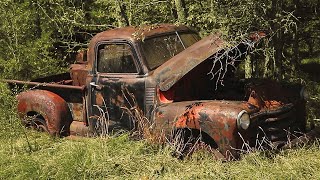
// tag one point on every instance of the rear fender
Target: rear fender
(50, 106)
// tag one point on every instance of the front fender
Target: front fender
(216, 118)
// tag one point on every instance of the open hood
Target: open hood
(175, 68)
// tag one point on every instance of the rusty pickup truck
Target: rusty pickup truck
(179, 81)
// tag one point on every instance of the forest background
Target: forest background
(41, 37)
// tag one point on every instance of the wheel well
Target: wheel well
(192, 135)
(35, 114)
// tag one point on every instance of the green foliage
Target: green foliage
(27, 50)
(6, 100)
(313, 104)
(44, 35)
(10, 126)
(311, 60)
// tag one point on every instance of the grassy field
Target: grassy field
(41, 157)
(25, 154)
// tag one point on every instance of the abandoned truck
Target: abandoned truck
(176, 79)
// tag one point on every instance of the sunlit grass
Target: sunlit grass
(122, 158)
(25, 154)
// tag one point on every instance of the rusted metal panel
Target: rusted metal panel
(178, 66)
(110, 98)
(175, 68)
(79, 129)
(268, 94)
(50, 106)
(184, 77)
(130, 34)
(216, 118)
(37, 84)
(78, 73)
(276, 119)
(77, 111)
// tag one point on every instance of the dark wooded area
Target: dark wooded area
(40, 37)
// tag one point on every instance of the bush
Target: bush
(10, 126)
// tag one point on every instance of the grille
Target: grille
(275, 126)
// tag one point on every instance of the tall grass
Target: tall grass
(122, 158)
(25, 154)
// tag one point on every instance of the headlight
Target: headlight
(304, 94)
(243, 120)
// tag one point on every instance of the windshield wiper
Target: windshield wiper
(184, 47)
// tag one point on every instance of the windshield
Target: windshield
(158, 50)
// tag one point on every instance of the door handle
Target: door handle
(96, 86)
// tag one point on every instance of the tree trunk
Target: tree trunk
(248, 67)
(278, 41)
(296, 55)
(181, 11)
(121, 14)
(266, 66)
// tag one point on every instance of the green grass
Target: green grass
(43, 157)
(25, 154)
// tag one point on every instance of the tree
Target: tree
(44, 35)
(181, 11)
(121, 13)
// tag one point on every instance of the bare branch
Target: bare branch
(226, 60)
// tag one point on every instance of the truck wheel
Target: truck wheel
(37, 123)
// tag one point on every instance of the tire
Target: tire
(37, 123)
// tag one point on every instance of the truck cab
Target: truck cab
(126, 58)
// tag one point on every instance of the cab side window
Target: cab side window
(116, 58)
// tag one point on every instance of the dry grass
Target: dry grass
(28, 154)
(143, 126)
(33, 155)
(183, 143)
(121, 158)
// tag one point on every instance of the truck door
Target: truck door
(117, 71)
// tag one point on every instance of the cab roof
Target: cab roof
(132, 34)
(137, 33)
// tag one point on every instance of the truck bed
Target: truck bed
(60, 84)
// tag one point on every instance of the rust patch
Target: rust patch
(50, 106)
(190, 119)
(99, 99)
(77, 111)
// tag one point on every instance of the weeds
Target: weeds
(121, 158)
(142, 125)
(103, 121)
(181, 141)
(184, 142)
